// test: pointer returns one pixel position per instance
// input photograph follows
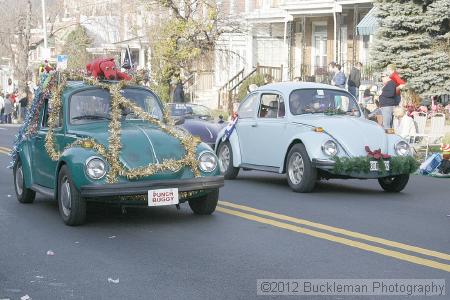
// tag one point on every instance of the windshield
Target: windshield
(93, 105)
(333, 102)
(181, 109)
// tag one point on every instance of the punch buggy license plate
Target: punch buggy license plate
(163, 197)
(375, 166)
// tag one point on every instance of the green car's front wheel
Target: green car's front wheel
(24, 195)
(205, 205)
(72, 207)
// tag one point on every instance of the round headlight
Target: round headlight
(402, 148)
(330, 148)
(207, 162)
(95, 168)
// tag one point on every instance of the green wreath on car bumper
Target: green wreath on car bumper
(361, 164)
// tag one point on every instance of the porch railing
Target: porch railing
(229, 91)
(321, 74)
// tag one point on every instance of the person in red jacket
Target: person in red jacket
(399, 83)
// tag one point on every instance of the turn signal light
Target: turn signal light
(318, 129)
(87, 144)
(390, 130)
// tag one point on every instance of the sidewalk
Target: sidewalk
(11, 125)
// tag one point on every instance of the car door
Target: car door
(270, 130)
(43, 166)
(245, 127)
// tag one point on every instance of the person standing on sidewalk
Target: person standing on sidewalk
(2, 107)
(9, 108)
(331, 72)
(354, 80)
(178, 93)
(399, 83)
(23, 106)
(387, 100)
(339, 77)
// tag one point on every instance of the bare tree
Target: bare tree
(182, 34)
(18, 19)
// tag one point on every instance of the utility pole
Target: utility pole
(44, 25)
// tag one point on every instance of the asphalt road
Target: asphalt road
(261, 230)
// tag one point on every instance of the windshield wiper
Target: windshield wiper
(91, 117)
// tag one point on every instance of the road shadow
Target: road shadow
(333, 186)
(112, 214)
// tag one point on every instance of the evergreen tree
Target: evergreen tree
(75, 47)
(414, 35)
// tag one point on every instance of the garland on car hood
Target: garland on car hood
(361, 164)
(111, 153)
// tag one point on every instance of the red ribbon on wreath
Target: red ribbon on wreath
(376, 154)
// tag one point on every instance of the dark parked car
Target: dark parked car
(197, 120)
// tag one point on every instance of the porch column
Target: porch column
(249, 49)
(141, 58)
(337, 9)
(247, 6)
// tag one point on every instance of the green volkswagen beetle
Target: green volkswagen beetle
(81, 147)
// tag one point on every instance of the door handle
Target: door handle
(254, 125)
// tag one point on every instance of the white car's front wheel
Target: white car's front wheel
(225, 155)
(301, 174)
(394, 184)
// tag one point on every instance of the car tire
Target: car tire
(24, 195)
(72, 207)
(205, 205)
(301, 175)
(394, 184)
(225, 155)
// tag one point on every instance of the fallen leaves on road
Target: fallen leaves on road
(50, 253)
(112, 237)
(26, 297)
(113, 280)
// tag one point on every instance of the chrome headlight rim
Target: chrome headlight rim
(325, 148)
(95, 158)
(213, 156)
(402, 145)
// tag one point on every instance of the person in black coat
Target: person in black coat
(178, 93)
(387, 100)
(354, 80)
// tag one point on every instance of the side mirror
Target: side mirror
(221, 119)
(179, 120)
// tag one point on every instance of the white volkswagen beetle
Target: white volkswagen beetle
(311, 131)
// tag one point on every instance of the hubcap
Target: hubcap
(19, 180)
(296, 167)
(388, 180)
(66, 202)
(224, 158)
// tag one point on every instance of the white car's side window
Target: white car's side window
(247, 109)
(271, 106)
